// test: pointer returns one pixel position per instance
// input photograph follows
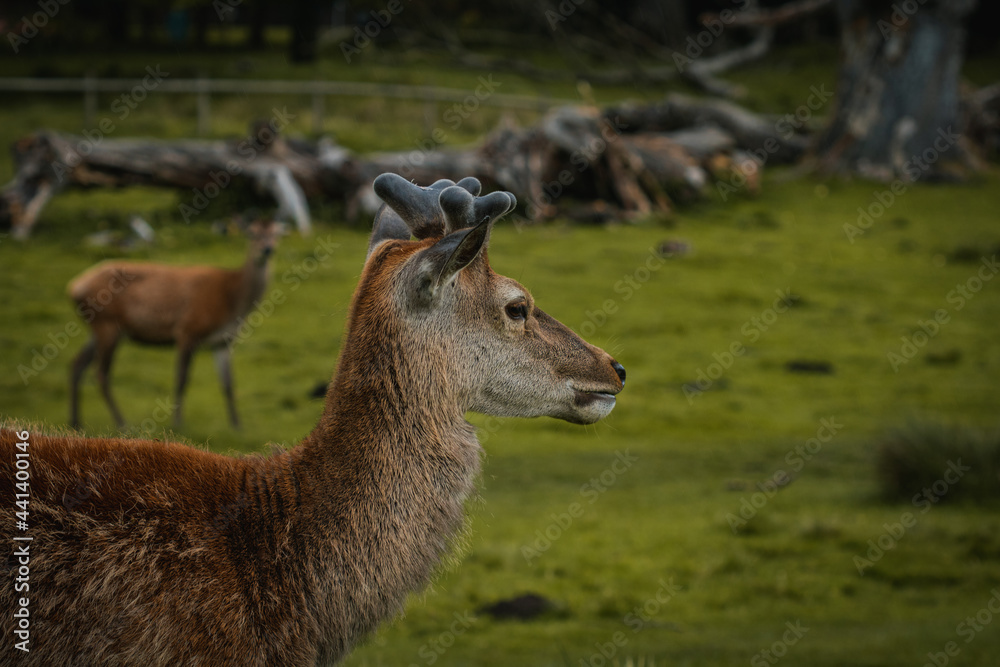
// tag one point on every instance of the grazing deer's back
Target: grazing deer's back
(151, 303)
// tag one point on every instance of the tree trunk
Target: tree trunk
(664, 21)
(305, 31)
(257, 21)
(116, 23)
(897, 113)
(200, 16)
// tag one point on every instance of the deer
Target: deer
(156, 304)
(173, 555)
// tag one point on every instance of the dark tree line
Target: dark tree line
(900, 110)
(665, 23)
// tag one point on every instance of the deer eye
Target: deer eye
(517, 310)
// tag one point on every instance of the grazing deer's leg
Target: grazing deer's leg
(222, 364)
(80, 363)
(184, 353)
(107, 338)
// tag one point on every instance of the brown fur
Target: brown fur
(185, 306)
(151, 553)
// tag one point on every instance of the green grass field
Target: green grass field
(659, 533)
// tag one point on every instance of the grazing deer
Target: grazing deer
(184, 306)
(172, 555)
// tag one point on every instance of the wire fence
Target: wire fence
(204, 88)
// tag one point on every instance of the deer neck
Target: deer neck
(387, 470)
(253, 281)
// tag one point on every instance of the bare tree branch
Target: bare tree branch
(701, 72)
(776, 16)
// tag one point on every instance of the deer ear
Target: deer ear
(444, 259)
(470, 244)
(388, 225)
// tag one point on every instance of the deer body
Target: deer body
(168, 555)
(184, 306)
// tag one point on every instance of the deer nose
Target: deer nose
(620, 370)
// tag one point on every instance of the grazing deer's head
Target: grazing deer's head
(263, 234)
(506, 357)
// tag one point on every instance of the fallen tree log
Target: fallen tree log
(578, 153)
(982, 119)
(623, 161)
(751, 131)
(48, 162)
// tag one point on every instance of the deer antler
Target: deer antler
(462, 210)
(435, 210)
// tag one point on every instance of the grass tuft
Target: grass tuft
(952, 461)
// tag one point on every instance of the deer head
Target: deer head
(504, 355)
(263, 234)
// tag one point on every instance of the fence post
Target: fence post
(204, 108)
(89, 99)
(317, 112)
(430, 111)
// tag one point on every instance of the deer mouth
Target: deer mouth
(590, 405)
(583, 398)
